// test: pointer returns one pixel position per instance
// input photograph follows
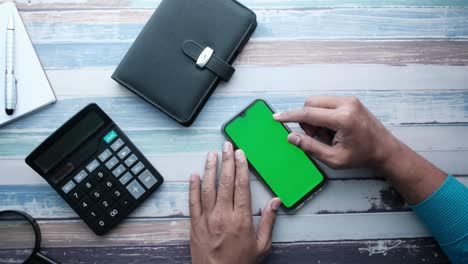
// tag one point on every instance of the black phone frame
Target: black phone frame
(307, 196)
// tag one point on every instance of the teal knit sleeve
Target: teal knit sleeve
(445, 213)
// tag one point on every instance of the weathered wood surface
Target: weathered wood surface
(175, 230)
(421, 250)
(281, 53)
(340, 197)
(406, 60)
(270, 4)
(367, 23)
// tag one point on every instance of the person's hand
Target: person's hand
(341, 132)
(222, 228)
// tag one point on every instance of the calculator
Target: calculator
(96, 169)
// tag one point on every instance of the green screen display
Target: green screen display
(285, 168)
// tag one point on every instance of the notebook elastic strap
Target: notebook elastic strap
(204, 56)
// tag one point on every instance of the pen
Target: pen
(10, 80)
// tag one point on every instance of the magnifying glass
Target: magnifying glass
(20, 239)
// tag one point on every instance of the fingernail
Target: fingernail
(294, 139)
(211, 156)
(276, 115)
(227, 146)
(193, 176)
(275, 204)
(239, 155)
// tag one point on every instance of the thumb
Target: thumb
(265, 227)
(311, 145)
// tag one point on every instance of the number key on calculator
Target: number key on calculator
(93, 165)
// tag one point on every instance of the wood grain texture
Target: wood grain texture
(322, 78)
(175, 231)
(301, 48)
(453, 162)
(270, 4)
(276, 53)
(422, 250)
(131, 113)
(339, 197)
(349, 23)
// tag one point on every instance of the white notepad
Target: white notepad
(34, 91)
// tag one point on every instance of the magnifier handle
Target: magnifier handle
(44, 259)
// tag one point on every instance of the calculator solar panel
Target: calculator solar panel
(95, 167)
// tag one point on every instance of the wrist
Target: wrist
(388, 153)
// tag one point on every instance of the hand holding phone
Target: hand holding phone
(288, 172)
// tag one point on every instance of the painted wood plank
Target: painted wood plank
(421, 250)
(347, 23)
(270, 4)
(348, 196)
(132, 113)
(171, 141)
(452, 162)
(323, 77)
(288, 228)
(171, 200)
(276, 53)
(194, 141)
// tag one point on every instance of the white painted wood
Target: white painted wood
(97, 82)
(339, 196)
(287, 229)
(443, 145)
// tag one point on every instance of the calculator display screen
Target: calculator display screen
(69, 141)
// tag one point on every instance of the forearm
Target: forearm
(412, 176)
(441, 202)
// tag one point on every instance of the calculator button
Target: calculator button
(92, 166)
(117, 193)
(125, 202)
(110, 136)
(68, 187)
(135, 189)
(88, 185)
(111, 163)
(101, 224)
(96, 194)
(124, 179)
(80, 176)
(137, 168)
(92, 214)
(105, 155)
(117, 144)
(123, 153)
(105, 203)
(132, 159)
(114, 212)
(76, 195)
(118, 171)
(100, 175)
(107, 184)
(147, 179)
(84, 205)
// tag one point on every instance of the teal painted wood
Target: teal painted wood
(360, 23)
(131, 113)
(173, 141)
(55, 4)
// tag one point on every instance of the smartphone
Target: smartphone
(286, 170)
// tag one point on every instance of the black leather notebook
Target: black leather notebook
(183, 52)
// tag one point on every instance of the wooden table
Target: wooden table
(406, 60)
